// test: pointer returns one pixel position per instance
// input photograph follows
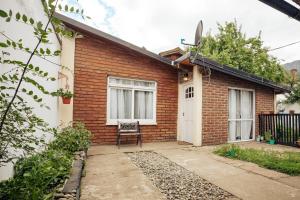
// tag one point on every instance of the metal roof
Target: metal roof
(199, 60)
(285, 7)
(202, 61)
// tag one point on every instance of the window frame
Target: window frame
(253, 113)
(133, 88)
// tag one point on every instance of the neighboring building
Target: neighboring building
(175, 96)
(25, 32)
(282, 107)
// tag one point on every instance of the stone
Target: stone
(175, 181)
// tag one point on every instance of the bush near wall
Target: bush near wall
(36, 177)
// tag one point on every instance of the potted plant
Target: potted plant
(268, 136)
(272, 140)
(65, 95)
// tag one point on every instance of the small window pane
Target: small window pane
(144, 83)
(143, 105)
(120, 103)
(120, 81)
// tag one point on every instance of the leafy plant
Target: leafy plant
(294, 96)
(231, 47)
(66, 94)
(268, 135)
(72, 139)
(285, 162)
(36, 177)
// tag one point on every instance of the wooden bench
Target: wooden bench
(126, 129)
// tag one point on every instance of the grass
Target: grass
(285, 162)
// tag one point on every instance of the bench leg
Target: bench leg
(119, 141)
(140, 138)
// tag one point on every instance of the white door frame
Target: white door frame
(253, 111)
(181, 108)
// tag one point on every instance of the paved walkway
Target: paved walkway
(111, 175)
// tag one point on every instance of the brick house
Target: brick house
(175, 95)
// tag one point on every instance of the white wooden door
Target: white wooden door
(187, 114)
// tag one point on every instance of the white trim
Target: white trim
(253, 111)
(133, 88)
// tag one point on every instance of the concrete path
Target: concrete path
(111, 175)
(244, 180)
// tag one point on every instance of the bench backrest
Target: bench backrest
(128, 127)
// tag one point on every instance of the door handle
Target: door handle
(183, 114)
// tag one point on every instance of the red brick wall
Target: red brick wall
(95, 60)
(215, 105)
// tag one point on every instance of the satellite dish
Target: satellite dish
(198, 34)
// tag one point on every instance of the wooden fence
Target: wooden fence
(284, 128)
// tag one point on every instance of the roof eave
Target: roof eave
(284, 7)
(201, 61)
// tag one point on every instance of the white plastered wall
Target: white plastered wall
(18, 30)
(66, 80)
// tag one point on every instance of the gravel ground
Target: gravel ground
(175, 181)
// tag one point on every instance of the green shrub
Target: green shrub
(285, 162)
(36, 177)
(71, 139)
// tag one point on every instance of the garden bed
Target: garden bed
(285, 162)
(41, 175)
(175, 181)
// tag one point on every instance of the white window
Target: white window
(131, 100)
(241, 114)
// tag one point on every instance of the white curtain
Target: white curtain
(120, 103)
(143, 105)
(246, 114)
(232, 114)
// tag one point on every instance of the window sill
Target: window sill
(140, 122)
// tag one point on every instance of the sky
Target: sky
(159, 25)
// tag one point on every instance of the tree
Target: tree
(231, 47)
(18, 122)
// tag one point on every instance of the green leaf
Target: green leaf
(66, 7)
(18, 16)
(31, 21)
(39, 25)
(14, 44)
(10, 13)
(30, 92)
(48, 51)
(2, 44)
(42, 51)
(24, 18)
(3, 13)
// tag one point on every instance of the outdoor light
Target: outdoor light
(185, 77)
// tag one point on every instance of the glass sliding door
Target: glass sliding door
(240, 114)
